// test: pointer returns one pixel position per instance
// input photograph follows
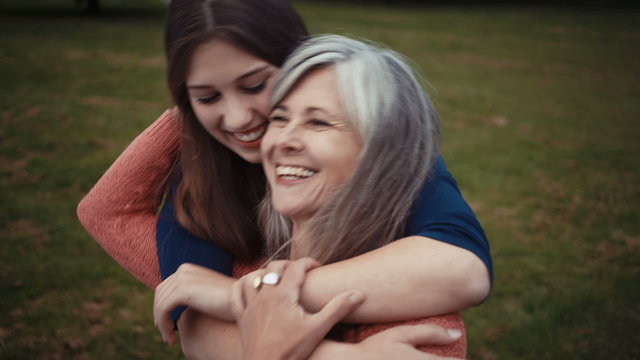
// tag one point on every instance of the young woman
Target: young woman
(342, 106)
(221, 113)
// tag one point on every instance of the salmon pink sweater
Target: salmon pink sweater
(120, 211)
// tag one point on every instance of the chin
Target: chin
(283, 210)
(294, 211)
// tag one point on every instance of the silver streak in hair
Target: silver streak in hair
(400, 131)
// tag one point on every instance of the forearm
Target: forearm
(204, 337)
(120, 210)
(271, 324)
(410, 278)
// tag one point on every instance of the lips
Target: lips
(250, 138)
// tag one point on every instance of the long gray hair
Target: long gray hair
(400, 132)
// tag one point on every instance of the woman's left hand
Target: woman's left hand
(197, 287)
(272, 323)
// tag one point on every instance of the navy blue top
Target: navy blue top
(440, 213)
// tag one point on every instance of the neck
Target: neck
(298, 225)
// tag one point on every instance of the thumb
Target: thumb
(339, 307)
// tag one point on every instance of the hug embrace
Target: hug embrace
(294, 200)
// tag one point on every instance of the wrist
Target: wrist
(328, 349)
(263, 355)
(223, 293)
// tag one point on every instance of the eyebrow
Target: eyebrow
(317, 109)
(307, 111)
(241, 77)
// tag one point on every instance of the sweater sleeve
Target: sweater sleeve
(120, 211)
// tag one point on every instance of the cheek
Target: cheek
(262, 103)
(344, 171)
(267, 144)
(206, 116)
(345, 158)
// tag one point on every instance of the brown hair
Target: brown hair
(219, 191)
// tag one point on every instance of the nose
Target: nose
(290, 139)
(237, 114)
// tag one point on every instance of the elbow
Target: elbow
(91, 214)
(84, 212)
(474, 285)
(94, 216)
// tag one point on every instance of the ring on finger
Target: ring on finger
(271, 278)
(257, 282)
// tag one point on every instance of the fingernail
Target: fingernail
(454, 333)
(356, 297)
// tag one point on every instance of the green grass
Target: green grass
(541, 128)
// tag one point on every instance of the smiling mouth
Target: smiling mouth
(252, 135)
(294, 172)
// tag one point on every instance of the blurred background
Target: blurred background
(541, 115)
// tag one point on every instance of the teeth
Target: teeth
(252, 136)
(294, 172)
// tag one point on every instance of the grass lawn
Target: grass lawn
(541, 115)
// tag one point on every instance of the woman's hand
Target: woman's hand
(272, 323)
(194, 286)
(396, 343)
(400, 342)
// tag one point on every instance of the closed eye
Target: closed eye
(209, 99)
(278, 120)
(319, 123)
(255, 89)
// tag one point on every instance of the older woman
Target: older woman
(351, 139)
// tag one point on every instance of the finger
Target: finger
(294, 276)
(425, 334)
(165, 324)
(336, 309)
(167, 297)
(237, 298)
(248, 285)
(279, 268)
(168, 335)
(161, 317)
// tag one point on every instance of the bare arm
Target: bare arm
(396, 343)
(273, 325)
(200, 333)
(410, 278)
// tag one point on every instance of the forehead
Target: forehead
(221, 61)
(317, 88)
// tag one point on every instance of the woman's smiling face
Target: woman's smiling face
(229, 92)
(310, 147)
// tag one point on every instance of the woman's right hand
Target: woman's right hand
(395, 343)
(272, 324)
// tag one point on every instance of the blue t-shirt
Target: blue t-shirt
(440, 212)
